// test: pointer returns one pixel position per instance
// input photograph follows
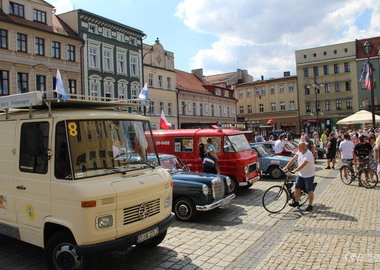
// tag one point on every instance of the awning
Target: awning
(360, 117)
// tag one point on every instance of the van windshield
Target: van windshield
(100, 147)
(236, 143)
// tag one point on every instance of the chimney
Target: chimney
(286, 73)
(198, 72)
(262, 77)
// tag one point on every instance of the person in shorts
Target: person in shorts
(306, 174)
(346, 150)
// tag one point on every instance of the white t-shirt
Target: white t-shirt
(309, 169)
(278, 145)
(346, 148)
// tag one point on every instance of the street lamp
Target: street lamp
(367, 48)
(316, 90)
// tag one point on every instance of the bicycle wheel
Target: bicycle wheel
(303, 197)
(368, 178)
(346, 174)
(275, 199)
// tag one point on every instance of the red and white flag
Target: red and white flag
(164, 122)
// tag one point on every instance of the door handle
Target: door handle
(22, 187)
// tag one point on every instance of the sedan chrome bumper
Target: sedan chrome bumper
(214, 205)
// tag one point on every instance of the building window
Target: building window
(338, 104)
(39, 16)
(273, 106)
(22, 82)
(16, 9)
(109, 89)
(72, 86)
(120, 37)
(107, 59)
(212, 110)
(3, 39)
(152, 107)
(94, 87)
(122, 89)
(336, 68)
(261, 107)
(169, 82)
(218, 92)
(92, 28)
(308, 107)
(327, 88)
(107, 32)
(282, 88)
(249, 108)
(249, 93)
(272, 90)
(41, 83)
(40, 46)
(151, 80)
(282, 106)
(135, 91)
(194, 108)
(326, 70)
(201, 109)
(348, 85)
(306, 72)
(291, 88)
(327, 105)
(160, 81)
(307, 90)
(170, 108)
(347, 67)
(71, 53)
(162, 106)
(121, 62)
(183, 107)
(93, 57)
(240, 94)
(56, 49)
(21, 42)
(134, 65)
(335, 51)
(316, 71)
(337, 87)
(263, 92)
(241, 109)
(4, 82)
(349, 103)
(292, 105)
(257, 92)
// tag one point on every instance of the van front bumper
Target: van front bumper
(216, 204)
(125, 241)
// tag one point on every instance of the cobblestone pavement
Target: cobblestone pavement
(341, 233)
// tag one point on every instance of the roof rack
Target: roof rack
(39, 100)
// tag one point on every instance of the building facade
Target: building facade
(34, 43)
(328, 85)
(160, 75)
(273, 99)
(201, 105)
(364, 96)
(226, 80)
(112, 58)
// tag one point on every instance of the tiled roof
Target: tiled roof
(59, 27)
(220, 77)
(189, 82)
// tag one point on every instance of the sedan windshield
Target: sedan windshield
(236, 143)
(263, 152)
(99, 147)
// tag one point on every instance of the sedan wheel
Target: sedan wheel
(276, 173)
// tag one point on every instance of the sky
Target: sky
(223, 35)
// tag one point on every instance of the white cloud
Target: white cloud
(261, 36)
(62, 6)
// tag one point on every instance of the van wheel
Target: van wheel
(276, 173)
(153, 242)
(61, 253)
(184, 209)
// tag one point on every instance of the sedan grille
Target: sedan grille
(218, 188)
(141, 211)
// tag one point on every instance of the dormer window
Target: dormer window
(92, 28)
(39, 16)
(16, 9)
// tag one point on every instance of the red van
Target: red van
(235, 156)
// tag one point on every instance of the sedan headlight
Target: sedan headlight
(228, 181)
(205, 190)
(104, 221)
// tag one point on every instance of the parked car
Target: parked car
(269, 163)
(194, 192)
(270, 144)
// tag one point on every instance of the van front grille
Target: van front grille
(141, 211)
(252, 167)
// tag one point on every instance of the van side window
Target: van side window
(183, 144)
(33, 147)
(215, 142)
(62, 169)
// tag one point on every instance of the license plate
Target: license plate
(147, 235)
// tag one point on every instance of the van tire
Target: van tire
(61, 253)
(184, 209)
(153, 242)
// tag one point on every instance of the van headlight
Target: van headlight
(168, 201)
(246, 170)
(104, 221)
(205, 190)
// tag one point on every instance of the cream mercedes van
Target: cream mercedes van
(75, 178)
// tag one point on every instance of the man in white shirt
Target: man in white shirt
(306, 174)
(279, 146)
(346, 149)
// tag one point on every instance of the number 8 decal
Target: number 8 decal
(72, 129)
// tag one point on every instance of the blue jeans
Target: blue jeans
(305, 183)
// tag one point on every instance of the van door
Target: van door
(7, 157)
(32, 179)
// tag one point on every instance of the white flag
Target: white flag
(144, 92)
(59, 88)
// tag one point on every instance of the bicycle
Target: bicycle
(365, 175)
(277, 197)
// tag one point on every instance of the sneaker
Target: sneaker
(294, 204)
(327, 168)
(332, 167)
(309, 208)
